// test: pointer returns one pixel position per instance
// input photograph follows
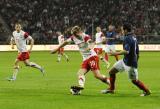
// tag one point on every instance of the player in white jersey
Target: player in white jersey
(61, 50)
(99, 47)
(90, 58)
(19, 38)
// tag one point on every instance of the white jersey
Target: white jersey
(60, 39)
(99, 39)
(83, 45)
(20, 39)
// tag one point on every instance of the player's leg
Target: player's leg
(34, 65)
(59, 55)
(93, 64)
(81, 77)
(81, 80)
(101, 77)
(118, 66)
(133, 75)
(106, 60)
(113, 49)
(15, 71)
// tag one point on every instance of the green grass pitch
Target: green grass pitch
(33, 91)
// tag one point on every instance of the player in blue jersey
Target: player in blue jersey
(129, 63)
(110, 37)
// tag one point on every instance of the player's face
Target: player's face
(122, 31)
(98, 29)
(18, 27)
(110, 28)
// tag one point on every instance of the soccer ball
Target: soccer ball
(75, 92)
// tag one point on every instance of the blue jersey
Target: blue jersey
(111, 34)
(130, 44)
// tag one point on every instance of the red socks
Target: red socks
(140, 85)
(112, 81)
(106, 57)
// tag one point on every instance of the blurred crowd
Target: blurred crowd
(42, 18)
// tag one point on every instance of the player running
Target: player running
(19, 38)
(61, 50)
(129, 63)
(110, 37)
(90, 58)
(99, 47)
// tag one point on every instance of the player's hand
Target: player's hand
(54, 51)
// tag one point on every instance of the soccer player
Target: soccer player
(90, 58)
(20, 38)
(129, 63)
(110, 47)
(61, 50)
(99, 47)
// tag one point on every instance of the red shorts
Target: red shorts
(91, 64)
(98, 50)
(23, 56)
(60, 51)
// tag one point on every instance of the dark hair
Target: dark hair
(127, 26)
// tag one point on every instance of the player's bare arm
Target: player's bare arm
(118, 53)
(12, 43)
(60, 46)
(31, 44)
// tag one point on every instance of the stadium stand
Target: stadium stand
(42, 18)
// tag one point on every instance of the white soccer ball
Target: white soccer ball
(75, 92)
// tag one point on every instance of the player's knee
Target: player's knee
(16, 67)
(97, 76)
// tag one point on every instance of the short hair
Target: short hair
(17, 23)
(127, 26)
(75, 29)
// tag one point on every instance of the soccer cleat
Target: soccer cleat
(145, 94)
(77, 87)
(11, 79)
(42, 71)
(107, 91)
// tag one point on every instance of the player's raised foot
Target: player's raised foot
(77, 87)
(11, 79)
(106, 91)
(145, 94)
(42, 71)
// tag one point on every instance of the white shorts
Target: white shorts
(110, 48)
(132, 72)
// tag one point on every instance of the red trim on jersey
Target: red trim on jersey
(86, 38)
(72, 37)
(26, 35)
(102, 34)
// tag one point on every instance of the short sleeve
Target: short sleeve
(86, 38)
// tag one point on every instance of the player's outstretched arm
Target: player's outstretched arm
(118, 53)
(60, 46)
